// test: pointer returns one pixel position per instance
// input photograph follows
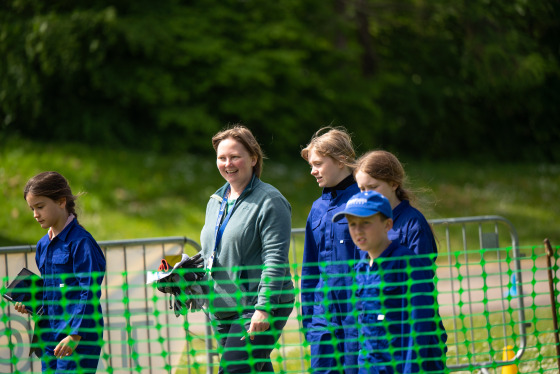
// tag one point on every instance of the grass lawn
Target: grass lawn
(139, 194)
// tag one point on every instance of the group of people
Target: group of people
(367, 292)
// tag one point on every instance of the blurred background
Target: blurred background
(122, 97)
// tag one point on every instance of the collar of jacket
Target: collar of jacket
(218, 195)
(403, 205)
(344, 184)
(381, 259)
(64, 233)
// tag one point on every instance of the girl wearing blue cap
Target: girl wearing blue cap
(397, 313)
(381, 171)
(72, 266)
(329, 255)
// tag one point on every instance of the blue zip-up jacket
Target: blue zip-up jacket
(412, 230)
(71, 265)
(327, 279)
(400, 326)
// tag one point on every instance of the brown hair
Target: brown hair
(385, 166)
(334, 142)
(244, 136)
(54, 186)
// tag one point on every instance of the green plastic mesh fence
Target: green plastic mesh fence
(494, 305)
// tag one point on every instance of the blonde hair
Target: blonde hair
(244, 136)
(334, 142)
(385, 166)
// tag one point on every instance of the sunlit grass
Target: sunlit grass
(141, 194)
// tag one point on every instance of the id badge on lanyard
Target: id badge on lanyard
(219, 231)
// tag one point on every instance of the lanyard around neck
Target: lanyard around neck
(221, 226)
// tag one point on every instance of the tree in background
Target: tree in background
(438, 78)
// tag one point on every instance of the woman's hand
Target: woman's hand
(259, 323)
(21, 308)
(67, 346)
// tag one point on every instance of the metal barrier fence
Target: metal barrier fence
(487, 274)
(480, 293)
(139, 332)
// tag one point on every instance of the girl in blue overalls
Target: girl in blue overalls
(381, 171)
(72, 266)
(329, 256)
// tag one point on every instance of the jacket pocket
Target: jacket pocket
(61, 257)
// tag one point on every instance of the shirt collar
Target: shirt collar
(252, 183)
(344, 184)
(68, 221)
(403, 205)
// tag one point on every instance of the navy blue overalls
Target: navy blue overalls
(400, 326)
(326, 284)
(72, 264)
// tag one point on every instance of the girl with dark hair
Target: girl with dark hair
(72, 266)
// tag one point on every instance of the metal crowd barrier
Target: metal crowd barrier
(141, 332)
(489, 276)
(139, 329)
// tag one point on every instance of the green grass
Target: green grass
(141, 194)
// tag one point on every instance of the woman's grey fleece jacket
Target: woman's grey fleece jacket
(251, 269)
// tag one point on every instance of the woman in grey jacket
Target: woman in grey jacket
(245, 242)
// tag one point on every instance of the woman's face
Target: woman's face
(47, 212)
(326, 170)
(367, 183)
(235, 163)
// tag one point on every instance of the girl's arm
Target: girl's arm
(89, 269)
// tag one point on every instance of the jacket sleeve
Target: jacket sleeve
(89, 268)
(309, 273)
(429, 334)
(275, 231)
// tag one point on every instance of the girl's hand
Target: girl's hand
(20, 308)
(67, 346)
(259, 323)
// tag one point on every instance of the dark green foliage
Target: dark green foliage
(438, 78)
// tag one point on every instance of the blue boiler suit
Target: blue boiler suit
(400, 327)
(412, 230)
(326, 285)
(71, 265)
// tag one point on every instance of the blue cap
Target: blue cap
(365, 204)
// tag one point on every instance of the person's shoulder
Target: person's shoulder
(78, 232)
(259, 185)
(266, 191)
(410, 217)
(43, 242)
(411, 212)
(402, 251)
